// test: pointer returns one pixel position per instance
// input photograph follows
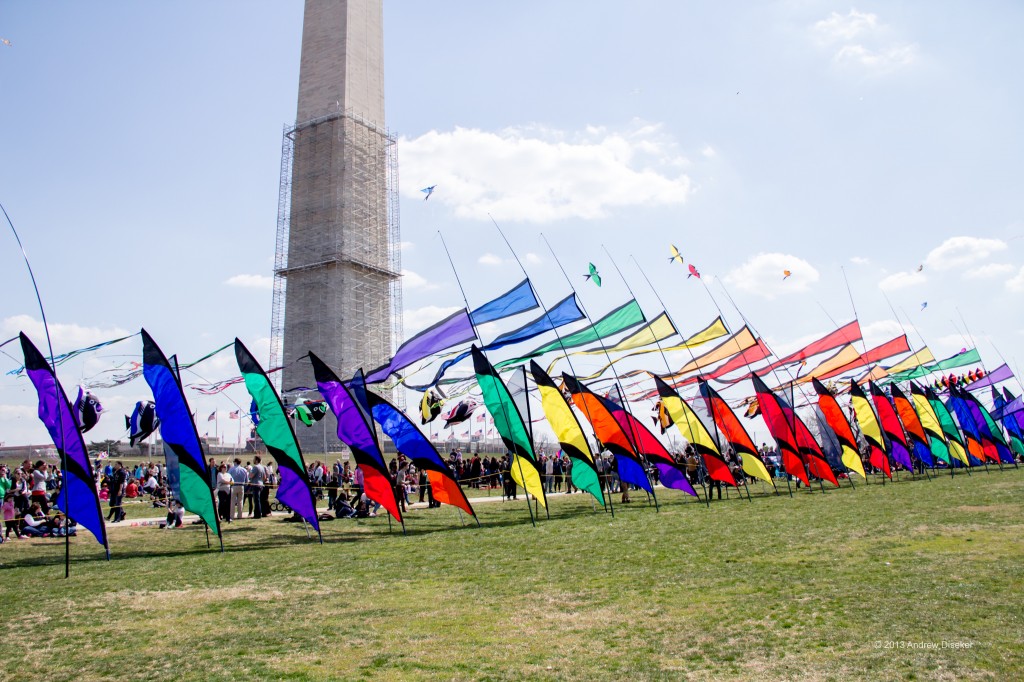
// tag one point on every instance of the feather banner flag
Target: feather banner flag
(609, 431)
(976, 451)
(736, 343)
(812, 453)
(509, 423)
(644, 443)
(622, 318)
(658, 329)
(846, 334)
(694, 431)
(568, 432)
(912, 425)
(79, 500)
(294, 489)
(178, 431)
(961, 359)
(870, 428)
(957, 447)
(994, 443)
(413, 444)
(780, 427)
(519, 299)
(836, 420)
(890, 423)
(731, 428)
(455, 329)
(1009, 411)
(360, 436)
(937, 441)
(564, 312)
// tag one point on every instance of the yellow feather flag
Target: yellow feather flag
(527, 477)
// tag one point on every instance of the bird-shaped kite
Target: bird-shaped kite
(785, 275)
(428, 191)
(593, 274)
(676, 256)
(693, 272)
(924, 305)
(920, 267)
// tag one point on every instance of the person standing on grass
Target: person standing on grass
(224, 483)
(257, 479)
(239, 477)
(39, 479)
(357, 483)
(270, 482)
(118, 485)
(10, 514)
(567, 472)
(422, 484)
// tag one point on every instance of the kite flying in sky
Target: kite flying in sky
(428, 191)
(676, 256)
(593, 274)
(693, 272)
(924, 305)
(785, 275)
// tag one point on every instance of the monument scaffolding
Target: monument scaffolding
(340, 272)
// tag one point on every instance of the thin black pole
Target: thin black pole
(561, 344)
(465, 300)
(61, 399)
(604, 348)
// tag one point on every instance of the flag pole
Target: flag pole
(631, 436)
(561, 344)
(508, 422)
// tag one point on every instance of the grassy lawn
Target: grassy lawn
(801, 588)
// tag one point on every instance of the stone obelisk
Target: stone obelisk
(340, 272)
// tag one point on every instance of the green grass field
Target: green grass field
(873, 583)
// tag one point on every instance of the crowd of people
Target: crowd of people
(29, 492)
(242, 490)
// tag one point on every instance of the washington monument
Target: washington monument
(336, 273)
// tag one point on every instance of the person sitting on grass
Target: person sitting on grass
(55, 526)
(151, 485)
(34, 522)
(131, 491)
(175, 515)
(342, 508)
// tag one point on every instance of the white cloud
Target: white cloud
(989, 270)
(415, 319)
(957, 253)
(416, 281)
(1016, 284)
(842, 28)
(251, 281)
(708, 152)
(859, 260)
(65, 336)
(406, 246)
(876, 333)
(902, 280)
(489, 259)
(884, 59)
(860, 39)
(763, 275)
(541, 175)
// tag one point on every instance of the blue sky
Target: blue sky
(141, 152)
